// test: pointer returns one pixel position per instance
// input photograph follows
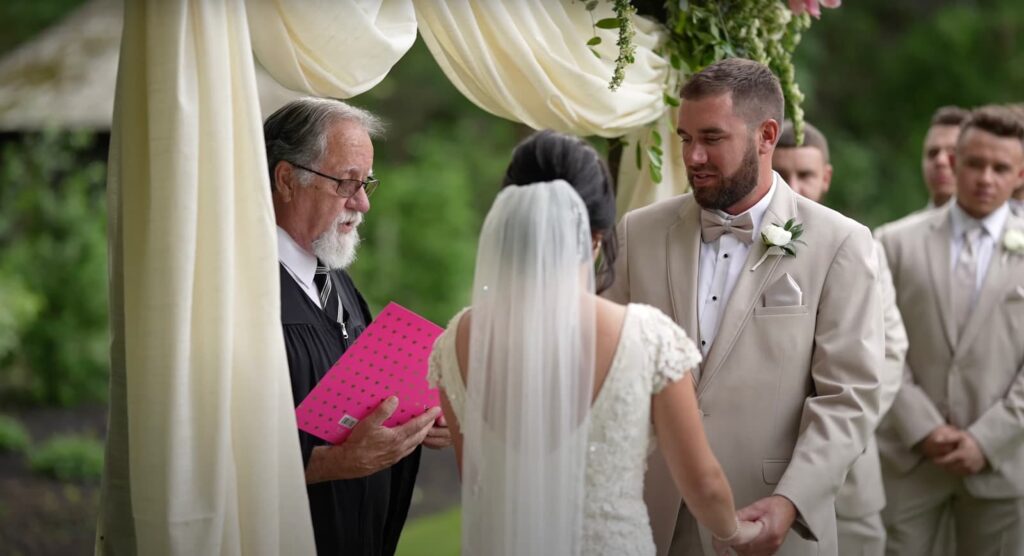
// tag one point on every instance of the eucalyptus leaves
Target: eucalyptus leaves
(702, 32)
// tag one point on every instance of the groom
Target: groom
(792, 343)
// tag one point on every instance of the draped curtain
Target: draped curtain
(202, 450)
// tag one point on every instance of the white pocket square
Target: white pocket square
(783, 293)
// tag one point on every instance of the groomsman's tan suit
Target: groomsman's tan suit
(974, 382)
(789, 392)
(861, 498)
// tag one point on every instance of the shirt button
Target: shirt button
(703, 343)
(714, 298)
(725, 256)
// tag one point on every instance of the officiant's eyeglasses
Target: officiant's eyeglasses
(346, 187)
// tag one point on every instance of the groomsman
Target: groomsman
(957, 424)
(937, 154)
(1017, 201)
(860, 501)
(789, 387)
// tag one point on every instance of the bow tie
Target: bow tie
(712, 226)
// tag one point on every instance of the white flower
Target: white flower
(1013, 241)
(776, 235)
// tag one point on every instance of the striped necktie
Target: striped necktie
(328, 296)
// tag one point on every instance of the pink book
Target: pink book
(388, 359)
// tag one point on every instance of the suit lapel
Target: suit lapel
(992, 291)
(937, 252)
(683, 261)
(748, 286)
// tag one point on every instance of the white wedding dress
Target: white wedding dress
(652, 353)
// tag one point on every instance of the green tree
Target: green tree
(53, 248)
(875, 70)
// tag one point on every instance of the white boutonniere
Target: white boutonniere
(1013, 242)
(780, 240)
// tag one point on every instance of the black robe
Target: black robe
(361, 517)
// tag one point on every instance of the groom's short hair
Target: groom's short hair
(756, 92)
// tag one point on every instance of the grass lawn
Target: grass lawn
(435, 535)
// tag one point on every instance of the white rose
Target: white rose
(776, 235)
(1013, 240)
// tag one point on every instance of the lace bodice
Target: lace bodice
(652, 353)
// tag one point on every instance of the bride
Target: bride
(554, 394)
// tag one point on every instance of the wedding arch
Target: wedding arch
(202, 455)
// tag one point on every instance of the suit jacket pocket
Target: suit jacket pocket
(785, 310)
(773, 469)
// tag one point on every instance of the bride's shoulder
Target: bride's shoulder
(651, 316)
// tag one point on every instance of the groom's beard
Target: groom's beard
(732, 188)
(337, 249)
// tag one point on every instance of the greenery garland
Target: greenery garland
(702, 32)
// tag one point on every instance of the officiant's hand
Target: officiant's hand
(777, 514)
(371, 446)
(439, 435)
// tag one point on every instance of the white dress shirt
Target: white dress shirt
(299, 263)
(992, 226)
(721, 262)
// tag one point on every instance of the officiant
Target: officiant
(320, 157)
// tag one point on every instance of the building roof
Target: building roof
(65, 77)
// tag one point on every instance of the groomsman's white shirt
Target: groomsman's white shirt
(993, 226)
(721, 262)
(299, 263)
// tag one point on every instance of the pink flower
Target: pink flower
(812, 7)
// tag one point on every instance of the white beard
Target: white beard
(337, 249)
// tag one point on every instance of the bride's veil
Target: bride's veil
(530, 375)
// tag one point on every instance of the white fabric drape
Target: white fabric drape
(528, 61)
(331, 48)
(202, 452)
(635, 187)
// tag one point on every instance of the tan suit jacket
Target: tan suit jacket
(862, 494)
(975, 383)
(789, 394)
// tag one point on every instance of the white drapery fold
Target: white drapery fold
(528, 61)
(636, 188)
(202, 451)
(331, 48)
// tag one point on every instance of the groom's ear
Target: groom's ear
(768, 136)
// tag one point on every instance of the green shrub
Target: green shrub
(53, 270)
(69, 458)
(13, 435)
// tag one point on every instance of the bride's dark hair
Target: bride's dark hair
(549, 155)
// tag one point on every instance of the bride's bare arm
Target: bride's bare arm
(453, 427)
(694, 467)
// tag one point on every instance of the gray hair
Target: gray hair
(297, 132)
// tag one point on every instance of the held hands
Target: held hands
(439, 435)
(776, 515)
(372, 446)
(746, 531)
(954, 450)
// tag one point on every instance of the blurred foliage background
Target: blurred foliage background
(873, 71)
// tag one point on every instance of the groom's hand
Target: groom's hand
(777, 514)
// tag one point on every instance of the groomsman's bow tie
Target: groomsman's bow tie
(712, 226)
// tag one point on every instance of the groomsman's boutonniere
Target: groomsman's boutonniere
(1013, 242)
(780, 240)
